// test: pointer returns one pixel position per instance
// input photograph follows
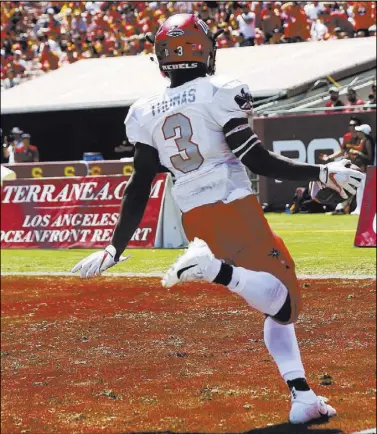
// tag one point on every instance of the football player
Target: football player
(198, 128)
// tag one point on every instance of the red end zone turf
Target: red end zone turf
(124, 355)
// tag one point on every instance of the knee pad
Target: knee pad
(263, 291)
(285, 313)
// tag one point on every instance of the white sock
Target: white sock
(281, 343)
(341, 205)
(261, 290)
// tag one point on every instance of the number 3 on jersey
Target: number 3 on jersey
(189, 157)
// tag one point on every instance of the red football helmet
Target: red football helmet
(184, 41)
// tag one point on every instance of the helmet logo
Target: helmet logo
(174, 32)
(176, 66)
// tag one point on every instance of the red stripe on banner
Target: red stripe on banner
(366, 228)
(72, 212)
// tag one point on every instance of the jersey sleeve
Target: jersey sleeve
(135, 132)
(232, 100)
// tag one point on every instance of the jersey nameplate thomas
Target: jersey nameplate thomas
(244, 100)
(188, 96)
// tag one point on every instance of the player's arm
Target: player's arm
(135, 197)
(245, 144)
(333, 156)
(366, 146)
(134, 201)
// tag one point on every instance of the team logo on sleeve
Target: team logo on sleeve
(244, 100)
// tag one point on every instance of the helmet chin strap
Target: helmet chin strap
(217, 34)
(211, 64)
(150, 38)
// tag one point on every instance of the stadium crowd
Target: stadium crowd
(37, 37)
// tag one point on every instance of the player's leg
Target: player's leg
(267, 252)
(262, 290)
(269, 295)
(239, 234)
(282, 344)
(359, 198)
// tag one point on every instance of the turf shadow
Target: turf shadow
(284, 428)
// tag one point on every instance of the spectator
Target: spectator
(246, 24)
(334, 100)
(349, 140)
(52, 25)
(16, 136)
(49, 59)
(339, 34)
(19, 65)
(11, 80)
(372, 96)
(319, 31)
(7, 151)
(79, 24)
(352, 100)
(363, 156)
(26, 153)
(270, 22)
(11, 144)
(99, 29)
(296, 26)
(314, 9)
(364, 15)
(339, 20)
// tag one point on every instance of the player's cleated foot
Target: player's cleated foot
(197, 263)
(304, 412)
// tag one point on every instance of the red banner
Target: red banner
(366, 228)
(72, 212)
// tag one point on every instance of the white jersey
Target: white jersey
(185, 125)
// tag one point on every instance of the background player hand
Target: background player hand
(341, 176)
(353, 151)
(324, 157)
(96, 263)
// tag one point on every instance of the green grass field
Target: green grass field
(320, 244)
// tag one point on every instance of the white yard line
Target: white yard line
(367, 431)
(156, 274)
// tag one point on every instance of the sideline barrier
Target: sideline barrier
(82, 212)
(71, 168)
(366, 228)
(7, 174)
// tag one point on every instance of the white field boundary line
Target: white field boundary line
(156, 274)
(367, 431)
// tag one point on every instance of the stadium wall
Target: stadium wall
(303, 137)
(66, 135)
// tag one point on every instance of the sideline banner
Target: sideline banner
(366, 228)
(73, 212)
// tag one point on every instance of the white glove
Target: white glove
(341, 176)
(97, 262)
